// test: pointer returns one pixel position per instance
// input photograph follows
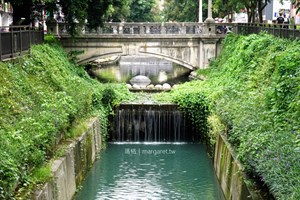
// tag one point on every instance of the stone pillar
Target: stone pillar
(121, 28)
(209, 26)
(183, 29)
(99, 30)
(162, 28)
(115, 29)
(208, 50)
(147, 29)
(141, 28)
(52, 27)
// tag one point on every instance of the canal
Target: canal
(154, 152)
(152, 171)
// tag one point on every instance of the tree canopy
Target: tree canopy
(182, 10)
(92, 12)
(141, 11)
(187, 10)
(95, 12)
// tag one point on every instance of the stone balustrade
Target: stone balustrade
(146, 28)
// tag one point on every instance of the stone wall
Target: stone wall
(69, 170)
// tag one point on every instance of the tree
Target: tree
(28, 9)
(96, 12)
(119, 10)
(227, 7)
(92, 12)
(182, 10)
(75, 12)
(261, 4)
(253, 7)
(141, 11)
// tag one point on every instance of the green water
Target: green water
(151, 171)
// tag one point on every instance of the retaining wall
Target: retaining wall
(233, 181)
(69, 170)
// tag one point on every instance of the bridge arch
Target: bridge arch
(166, 57)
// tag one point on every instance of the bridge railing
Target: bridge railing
(183, 28)
(279, 30)
(154, 28)
(147, 28)
(140, 28)
(14, 40)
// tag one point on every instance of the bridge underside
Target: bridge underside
(189, 51)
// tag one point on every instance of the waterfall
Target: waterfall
(150, 123)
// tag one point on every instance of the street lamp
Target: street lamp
(200, 12)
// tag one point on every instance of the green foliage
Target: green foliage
(50, 39)
(180, 10)
(193, 101)
(42, 174)
(227, 7)
(196, 108)
(259, 103)
(75, 12)
(141, 11)
(253, 90)
(42, 96)
(96, 11)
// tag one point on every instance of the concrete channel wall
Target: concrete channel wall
(229, 171)
(70, 169)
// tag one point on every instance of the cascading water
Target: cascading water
(151, 123)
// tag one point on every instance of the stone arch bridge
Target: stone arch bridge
(191, 45)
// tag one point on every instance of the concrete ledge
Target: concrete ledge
(69, 170)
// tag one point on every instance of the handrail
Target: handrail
(289, 31)
(15, 40)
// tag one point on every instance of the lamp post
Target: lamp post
(209, 13)
(200, 12)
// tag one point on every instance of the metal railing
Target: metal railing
(283, 30)
(15, 40)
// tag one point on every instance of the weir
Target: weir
(151, 123)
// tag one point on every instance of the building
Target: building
(6, 13)
(272, 10)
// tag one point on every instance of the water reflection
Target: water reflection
(158, 70)
(152, 171)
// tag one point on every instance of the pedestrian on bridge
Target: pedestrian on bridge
(280, 20)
